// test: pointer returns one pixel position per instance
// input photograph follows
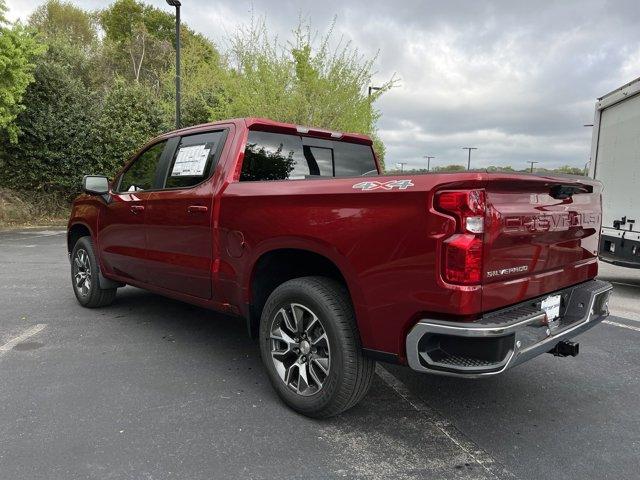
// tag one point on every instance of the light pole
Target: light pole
(373, 89)
(177, 4)
(532, 163)
(428, 157)
(401, 165)
(469, 160)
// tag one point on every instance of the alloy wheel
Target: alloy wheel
(82, 272)
(300, 349)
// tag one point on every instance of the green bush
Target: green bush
(18, 52)
(54, 146)
(130, 116)
(75, 131)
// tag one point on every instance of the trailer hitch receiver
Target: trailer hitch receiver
(565, 348)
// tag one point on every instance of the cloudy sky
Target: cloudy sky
(517, 79)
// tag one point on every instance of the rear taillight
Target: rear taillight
(462, 259)
(468, 206)
(462, 252)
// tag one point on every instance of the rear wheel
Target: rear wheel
(85, 276)
(311, 348)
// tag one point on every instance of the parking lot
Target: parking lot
(151, 388)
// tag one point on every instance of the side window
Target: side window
(141, 174)
(194, 159)
(276, 156)
(353, 159)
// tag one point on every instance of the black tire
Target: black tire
(90, 294)
(350, 373)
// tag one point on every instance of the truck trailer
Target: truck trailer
(615, 161)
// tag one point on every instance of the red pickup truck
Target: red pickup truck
(335, 266)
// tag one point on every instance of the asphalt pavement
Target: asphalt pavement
(151, 388)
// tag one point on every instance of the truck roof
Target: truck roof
(620, 89)
(265, 124)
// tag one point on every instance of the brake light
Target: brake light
(468, 206)
(463, 259)
(462, 252)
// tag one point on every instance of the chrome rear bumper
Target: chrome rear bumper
(503, 339)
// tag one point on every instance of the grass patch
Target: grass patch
(32, 208)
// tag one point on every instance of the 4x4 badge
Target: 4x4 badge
(373, 185)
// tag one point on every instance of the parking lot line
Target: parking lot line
(622, 325)
(483, 458)
(22, 337)
(42, 233)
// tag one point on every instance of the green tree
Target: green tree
(130, 116)
(64, 21)
(138, 40)
(98, 86)
(301, 82)
(202, 72)
(75, 131)
(493, 168)
(450, 168)
(570, 170)
(18, 51)
(72, 35)
(79, 120)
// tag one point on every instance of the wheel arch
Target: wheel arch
(76, 231)
(272, 267)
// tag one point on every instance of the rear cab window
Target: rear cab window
(278, 156)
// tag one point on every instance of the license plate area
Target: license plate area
(551, 306)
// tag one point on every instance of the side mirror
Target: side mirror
(95, 184)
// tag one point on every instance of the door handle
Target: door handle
(197, 209)
(136, 209)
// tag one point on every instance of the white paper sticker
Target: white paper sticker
(551, 305)
(190, 161)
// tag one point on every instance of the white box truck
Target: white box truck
(615, 161)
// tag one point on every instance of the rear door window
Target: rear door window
(194, 159)
(276, 156)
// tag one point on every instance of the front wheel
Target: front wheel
(311, 348)
(85, 276)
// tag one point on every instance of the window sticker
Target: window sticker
(191, 161)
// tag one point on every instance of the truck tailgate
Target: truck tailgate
(541, 235)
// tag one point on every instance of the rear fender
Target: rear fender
(320, 248)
